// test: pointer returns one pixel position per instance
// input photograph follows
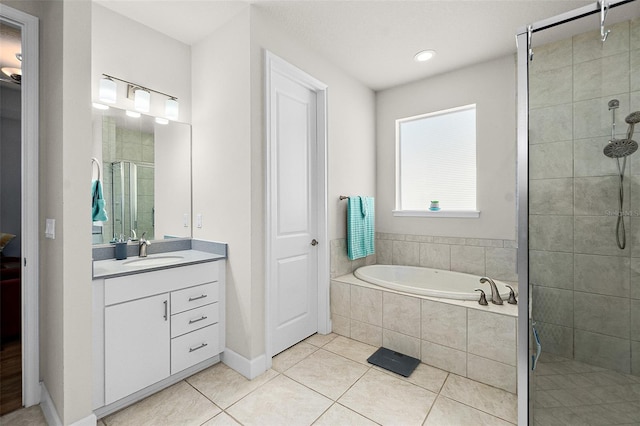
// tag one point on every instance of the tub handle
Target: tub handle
(512, 296)
(483, 297)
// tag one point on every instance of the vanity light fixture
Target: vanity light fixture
(140, 95)
(171, 109)
(424, 55)
(100, 106)
(133, 114)
(161, 120)
(107, 90)
(141, 99)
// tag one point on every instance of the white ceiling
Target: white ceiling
(374, 41)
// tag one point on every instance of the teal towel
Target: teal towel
(360, 227)
(98, 213)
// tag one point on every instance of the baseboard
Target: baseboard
(248, 368)
(48, 408)
(51, 414)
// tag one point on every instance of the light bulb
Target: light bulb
(107, 90)
(171, 108)
(141, 100)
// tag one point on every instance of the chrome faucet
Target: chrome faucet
(142, 246)
(495, 295)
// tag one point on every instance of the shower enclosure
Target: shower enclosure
(579, 217)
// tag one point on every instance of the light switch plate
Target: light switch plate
(50, 229)
(199, 220)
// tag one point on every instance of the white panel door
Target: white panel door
(294, 260)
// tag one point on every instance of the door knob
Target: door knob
(314, 242)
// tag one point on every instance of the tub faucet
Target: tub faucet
(495, 295)
(142, 246)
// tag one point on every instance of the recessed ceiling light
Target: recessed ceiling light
(424, 55)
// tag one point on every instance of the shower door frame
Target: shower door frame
(525, 408)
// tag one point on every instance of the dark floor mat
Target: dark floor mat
(394, 361)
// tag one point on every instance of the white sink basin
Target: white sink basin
(153, 261)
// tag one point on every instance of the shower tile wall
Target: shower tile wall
(494, 258)
(586, 291)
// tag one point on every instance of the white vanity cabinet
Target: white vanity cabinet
(154, 328)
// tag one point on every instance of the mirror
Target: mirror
(145, 176)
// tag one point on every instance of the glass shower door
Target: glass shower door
(583, 219)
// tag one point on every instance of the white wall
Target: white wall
(65, 263)
(131, 51)
(351, 140)
(222, 164)
(491, 86)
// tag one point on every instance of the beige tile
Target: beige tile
(225, 386)
(31, 416)
(492, 373)
(551, 124)
(607, 275)
(406, 253)
(340, 294)
(402, 343)
(557, 339)
(424, 375)
(222, 419)
(179, 403)
(366, 305)
(501, 263)
(287, 359)
(592, 122)
(593, 195)
(444, 324)
(401, 313)
(340, 415)
(468, 259)
(551, 269)
(551, 160)
(447, 412)
(603, 351)
(341, 325)
(601, 77)
(492, 336)
(320, 340)
(327, 373)
(588, 46)
(436, 256)
(366, 333)
(602, 314)
(551, 87)
(604, 414)
(351, 349)
(551, 233)
(265, 406)
(553, 305)
(404, 403)
(552, 56)
(483, 397)
(384, 252)
(340, 263)
(443, 357)
(98, 423)
(551, 196)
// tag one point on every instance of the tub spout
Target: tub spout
(495, 294)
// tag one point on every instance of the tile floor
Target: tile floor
(569, 392)
(324, 380)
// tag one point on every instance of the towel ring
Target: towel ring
(95, 161)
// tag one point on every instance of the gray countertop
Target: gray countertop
(134, 265)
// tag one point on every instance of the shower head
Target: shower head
(618, 148)
(613, 104)
(633, 118)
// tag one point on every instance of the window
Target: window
(436, 160)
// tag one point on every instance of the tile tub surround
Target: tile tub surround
(461, 337)
(494, 258)
(586, 291)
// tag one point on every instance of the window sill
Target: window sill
(439, 213)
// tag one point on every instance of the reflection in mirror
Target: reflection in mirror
(145, 176)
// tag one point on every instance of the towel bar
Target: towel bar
(343, 197)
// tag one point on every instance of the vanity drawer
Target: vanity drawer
(194, 319)
(193, 297)
(192, 348)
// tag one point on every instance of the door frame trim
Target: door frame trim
(272, 64)
(30, 140)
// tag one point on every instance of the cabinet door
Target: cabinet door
(137, 352)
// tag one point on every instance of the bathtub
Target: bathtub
(428, 282)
